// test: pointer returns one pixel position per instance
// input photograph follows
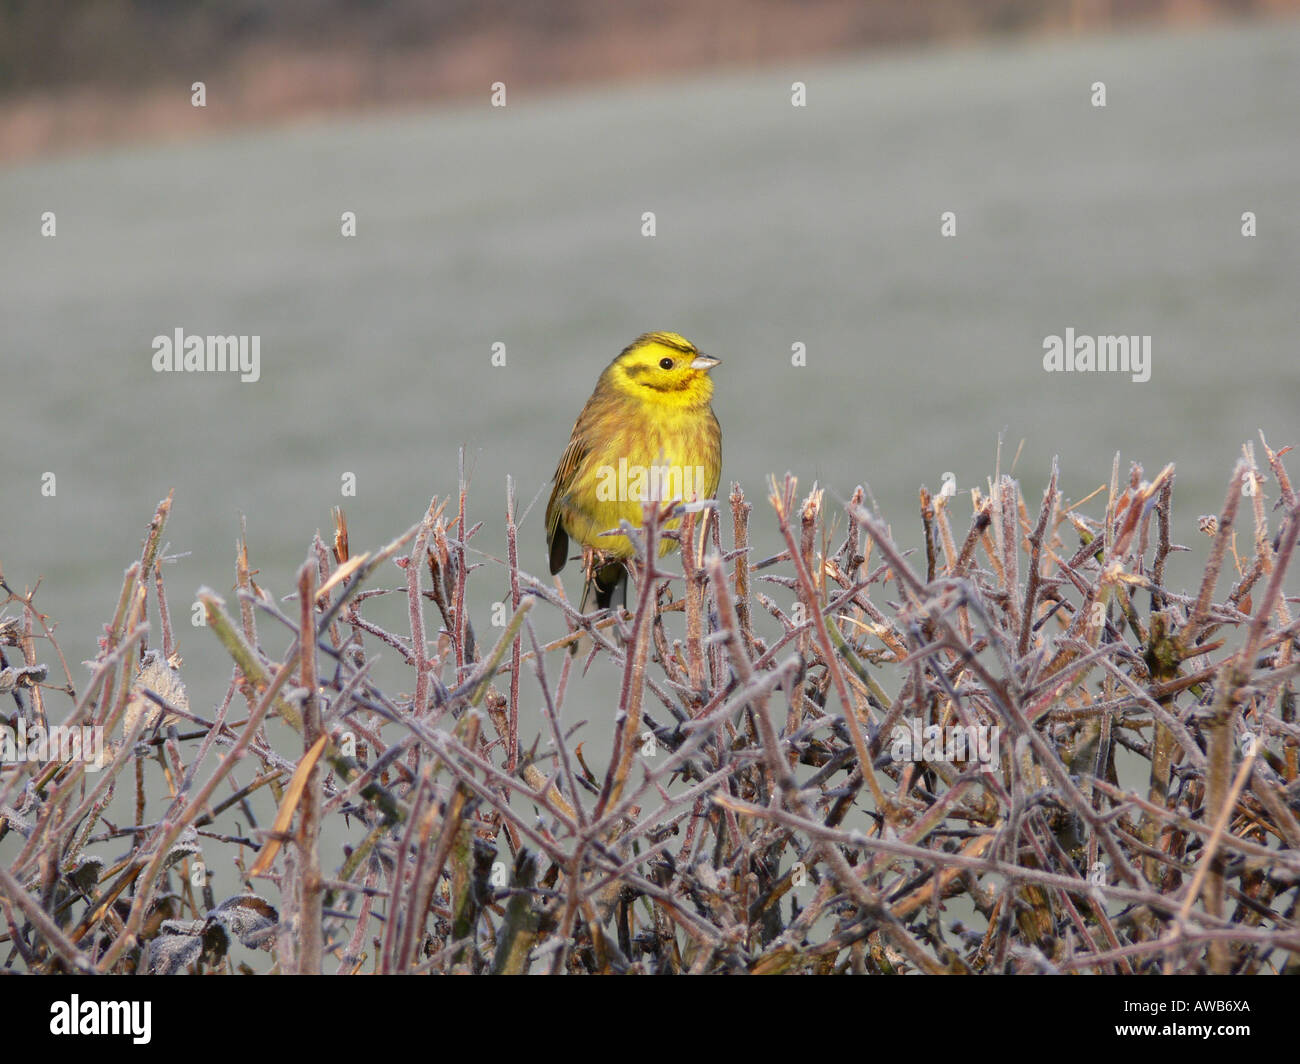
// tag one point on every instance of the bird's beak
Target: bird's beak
(704, 362)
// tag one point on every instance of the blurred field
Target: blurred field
(75, 75)
(776, 225)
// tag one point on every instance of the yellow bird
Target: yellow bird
(647, 433)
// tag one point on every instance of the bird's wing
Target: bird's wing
(556, 538)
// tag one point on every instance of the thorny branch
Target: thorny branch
(809, 786)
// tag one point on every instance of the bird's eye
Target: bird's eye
(665, 363)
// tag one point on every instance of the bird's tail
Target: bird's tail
(608, 582)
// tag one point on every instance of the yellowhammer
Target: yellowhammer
(647, 433)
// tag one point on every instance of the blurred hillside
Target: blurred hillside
(76, 73)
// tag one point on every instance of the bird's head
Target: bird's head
(663, 367)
